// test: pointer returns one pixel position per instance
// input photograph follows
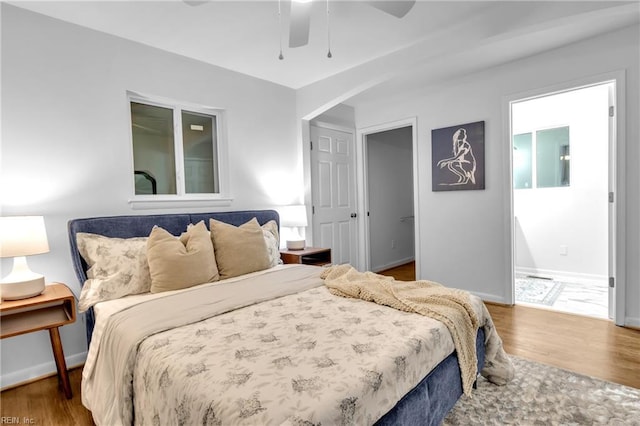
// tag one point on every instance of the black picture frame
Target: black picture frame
(457, 157)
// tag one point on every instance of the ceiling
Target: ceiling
(434, 38)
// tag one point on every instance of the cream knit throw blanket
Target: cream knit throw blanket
(449, 306)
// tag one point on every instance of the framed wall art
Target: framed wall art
(457, 157)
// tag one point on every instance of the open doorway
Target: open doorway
(561, 166)
(390, 199)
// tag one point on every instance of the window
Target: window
(176, 150)
(542, 157)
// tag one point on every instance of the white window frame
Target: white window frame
(181, 198)
(534, 157)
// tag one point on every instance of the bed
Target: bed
(272, 346)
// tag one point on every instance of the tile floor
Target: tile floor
(590, 298)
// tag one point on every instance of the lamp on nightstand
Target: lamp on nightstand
(22, 236)
(294, 217)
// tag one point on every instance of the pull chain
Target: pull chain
(280, 56)
(329, 55)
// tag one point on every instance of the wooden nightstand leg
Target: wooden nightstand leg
(61, 364)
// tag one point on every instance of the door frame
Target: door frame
(362, 174)
(616, 185)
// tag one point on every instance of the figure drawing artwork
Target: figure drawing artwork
(457, 156)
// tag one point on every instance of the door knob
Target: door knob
(354, 215)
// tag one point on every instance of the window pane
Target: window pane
(199, 138)
(552, 157)
(522, 158)
(153, 149)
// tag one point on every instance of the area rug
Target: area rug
(537, 290)
(545, 395)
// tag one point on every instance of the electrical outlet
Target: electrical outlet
(564, 250)
(393, 244)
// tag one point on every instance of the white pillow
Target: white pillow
(272, 239)
(117, 267)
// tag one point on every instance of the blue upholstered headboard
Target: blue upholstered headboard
(141, 225)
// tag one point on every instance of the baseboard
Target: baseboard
(562, 275)
(489, 302)
(632, 322)
(491, 298)
(17, 378)
(393, 264)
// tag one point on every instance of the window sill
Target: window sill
(174, 201)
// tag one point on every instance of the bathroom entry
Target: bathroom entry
(561, 166)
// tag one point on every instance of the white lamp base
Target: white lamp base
(295, 244)
(21, 290)
(21, 282)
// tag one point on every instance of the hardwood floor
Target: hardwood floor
(585, 345)
(43, 403)
(406, 272)
(592, 346)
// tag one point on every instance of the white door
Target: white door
(333, 193)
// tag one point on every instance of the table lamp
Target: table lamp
(294, 217)
(22, 236)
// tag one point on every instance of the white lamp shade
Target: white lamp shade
(292, 216)
(22, 236)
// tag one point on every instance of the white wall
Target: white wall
(66, 145)
(574, 216)
(465, 236)
(390, 196)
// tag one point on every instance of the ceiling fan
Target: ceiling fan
(301, 14)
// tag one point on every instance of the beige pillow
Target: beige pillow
(239, 250)
(176, 263)
(272, 239)
(117, 268)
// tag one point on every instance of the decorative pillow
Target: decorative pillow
(117, 268)
(176, 263)
(239, 250)
(272, 239)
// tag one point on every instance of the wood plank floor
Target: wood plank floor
(585, 345)
(43, 403)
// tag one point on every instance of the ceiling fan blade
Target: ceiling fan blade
(299, 24)
(195, 2)
(397, 8)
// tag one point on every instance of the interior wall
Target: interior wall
(464, 238)
(66, 143)
(390, 196)
(565, 229)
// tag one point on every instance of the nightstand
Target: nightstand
(307, 256)
(55, 307)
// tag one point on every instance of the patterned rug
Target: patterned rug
(545, 395)
(537, 290)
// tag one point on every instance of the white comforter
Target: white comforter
(302, 355)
